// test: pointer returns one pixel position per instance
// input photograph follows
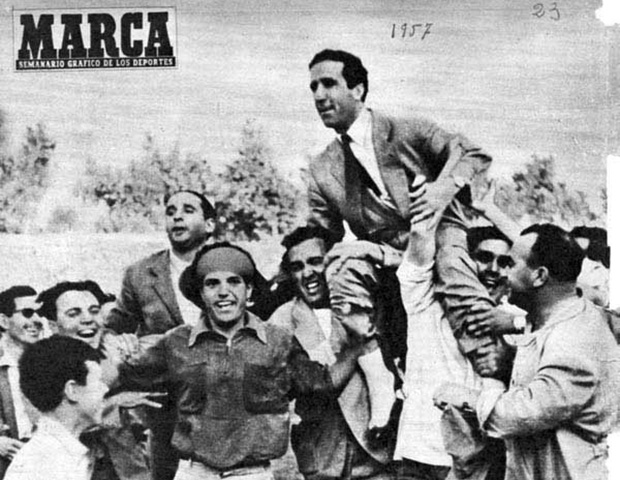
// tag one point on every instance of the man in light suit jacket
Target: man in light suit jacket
(332, 441)
(364, 177)
(21, 326)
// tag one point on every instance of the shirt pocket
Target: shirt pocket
(192, 387)
(265, 388)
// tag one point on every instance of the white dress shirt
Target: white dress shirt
(363, 149)
(189, 312)
(52, 454)
(433, 357)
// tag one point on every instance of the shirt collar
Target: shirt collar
(359, 130)
(203, 326)
(565, 309)
(56, 429)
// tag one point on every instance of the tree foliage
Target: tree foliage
(134, 196)
(537, 193)
(24, 176)
(250, 197)
(254, 198)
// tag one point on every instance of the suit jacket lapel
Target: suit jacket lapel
(162, 284)
(392, 172)
(307, 329)
(8, 410)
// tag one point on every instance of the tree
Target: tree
(23, 176)
(537, 193)
(134, 196)
(254, 198)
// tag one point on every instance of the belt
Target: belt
(236, 471)
(244, 470)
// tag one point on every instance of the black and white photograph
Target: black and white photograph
(272, 240)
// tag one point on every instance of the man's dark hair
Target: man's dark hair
(477, 235)
(597, 250)
(108, 297)
(353, 70)
(208, 211)
(7, 298)
(47, 366)
(48, 297)
(300, 235)
(555, 249)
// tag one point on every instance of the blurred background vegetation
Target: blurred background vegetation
(252, 199)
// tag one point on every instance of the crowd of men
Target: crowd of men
(426, 348)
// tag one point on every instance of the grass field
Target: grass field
(43, 260)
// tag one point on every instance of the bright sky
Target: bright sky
(514, 83)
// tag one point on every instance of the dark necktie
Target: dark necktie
(355, 174)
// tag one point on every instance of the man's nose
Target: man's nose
(494, 266)
(223, 291)
(319, 93)
(308, 271)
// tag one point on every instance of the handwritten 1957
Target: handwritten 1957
(409, 30)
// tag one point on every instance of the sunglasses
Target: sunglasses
(28, 312)
(503, 261)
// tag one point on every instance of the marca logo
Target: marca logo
(94, 38)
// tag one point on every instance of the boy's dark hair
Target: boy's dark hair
(208, 210)
(300, 235)
(47, 366)
(557, 250)
(353, 70)
(477, 235)
(48, 297)
(7, 298)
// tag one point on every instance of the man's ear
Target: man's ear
(540, 277)
(358, 91)
(209, 225)
(71, 391)
(4, 321)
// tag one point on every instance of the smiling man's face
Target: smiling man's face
(225, 295)
(78, 315)
(307, 268)
(337, 104)
(24, 326)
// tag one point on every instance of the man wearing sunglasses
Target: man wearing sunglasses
(21, 326)
(489, 248)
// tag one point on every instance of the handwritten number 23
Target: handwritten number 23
(539, 11)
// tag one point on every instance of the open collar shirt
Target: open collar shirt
(563, 397)
(232, 394)
(52, 454)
